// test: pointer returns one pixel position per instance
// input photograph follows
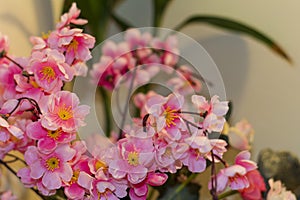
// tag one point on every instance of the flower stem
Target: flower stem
(182, 185)
(107, 111)
(124, 113)
(8, 58)
(227, 194)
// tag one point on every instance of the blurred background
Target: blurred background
(264, 87)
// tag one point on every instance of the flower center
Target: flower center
(170, 116)
(168, 152)
(100, 165)
(52, 163)
(133, 158)
(54, 134)
(75, 177)
(104, 194)
(73, 46)
(65, 113)
(48, 73)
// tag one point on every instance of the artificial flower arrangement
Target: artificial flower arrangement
(41, 120)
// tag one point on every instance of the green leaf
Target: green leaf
(237, 27)
(159, 7)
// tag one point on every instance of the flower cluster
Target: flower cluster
(148, 55)
(41, 120)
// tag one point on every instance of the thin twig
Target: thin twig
(13, 62)
(127, 103)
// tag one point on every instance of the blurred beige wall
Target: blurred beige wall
(263, 87)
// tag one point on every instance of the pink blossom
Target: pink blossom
(241, 135)
(256, 186)
(213, 112)
(168, 152)
(103, 186)
(185, 83)
(115, 62)
(218, 148)
(7, 129)
(29, 182)
(195, 157)
(72, 189)
(235, 175)
(135, 155)
(166, 112)
(278, 191)
(141, 99)
(169, 48)
(73, 43)
(71, 17)
(38, 43)
(50, 70)
(62, 110)
(8, 195)
(52, 168)
(140, 191)
(3, 43)
(7, 83)
(47, 140)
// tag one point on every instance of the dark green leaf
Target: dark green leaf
(159, 7)
(237, 27)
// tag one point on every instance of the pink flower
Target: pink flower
(168, 152)
(3, 43)
(50, 70)
(47, 140)
(29, 182)
(140, 191)
(141, 99)
(8, 195)
(135, 155)
(213, 112)
(169, 48)
(62, 110)
(235, 175)
(166, 112)
(73, 43)
(256, 186)
(7, 83)
(278, 191)
(103, 186)
(52, 168)
(72, 189)
(115, 62)
(199, 147)
(185, 83)
(241, 135)
(6, 130)
(71, 17)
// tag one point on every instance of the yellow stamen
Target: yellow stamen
(100, 165)
(75, 177)
(48, 73)
(54, 134)
(170, 116)
(45, 36)
(65, 113)
(73, 46)
(133, 158)
(52, 163)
